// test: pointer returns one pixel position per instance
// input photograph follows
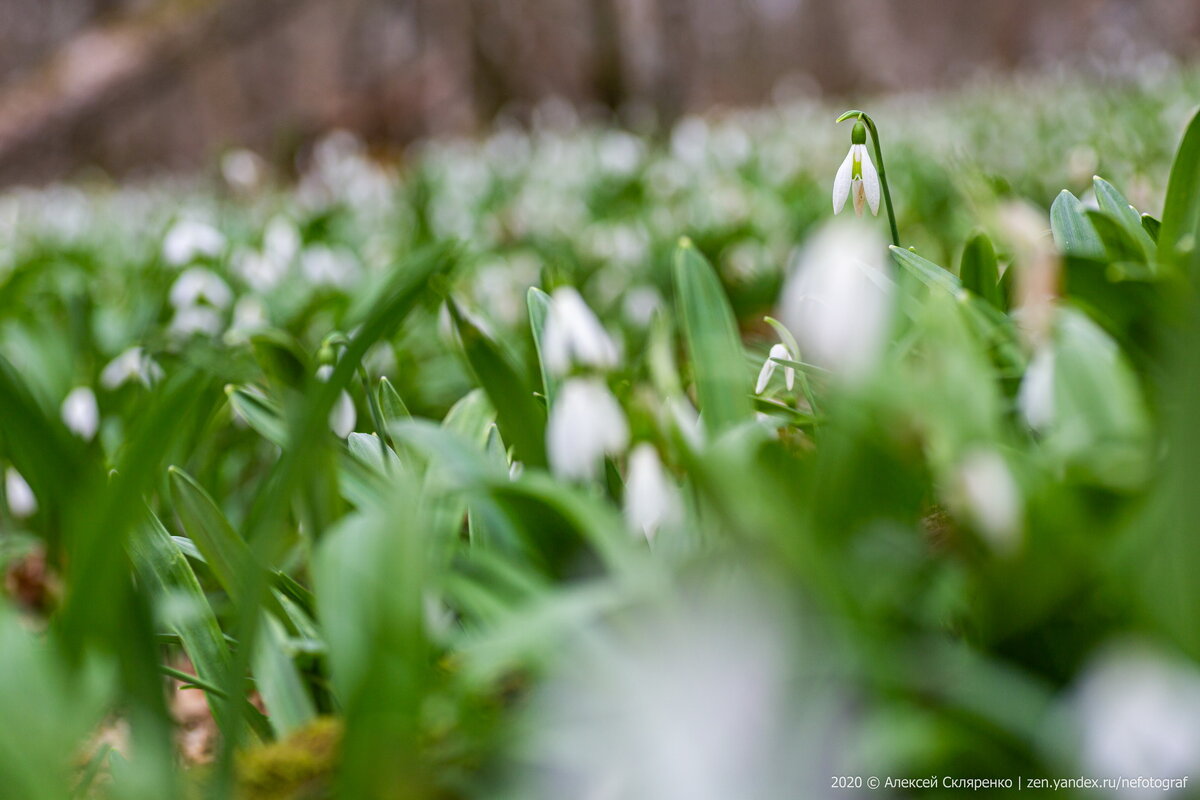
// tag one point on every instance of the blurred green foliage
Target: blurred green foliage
(313, 470)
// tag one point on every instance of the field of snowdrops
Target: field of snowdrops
(572, 463)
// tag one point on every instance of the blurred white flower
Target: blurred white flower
(651, 500)
(856, 176)
(198, 284)
(80, 412)
(261, 271)
(281, 241)
(249, 316)
(838, 299)
(586, 423)
(21, 501)
(191, 320)
(243, 169)
(342, 417)
(639, 305)
(573, 335)
(1137, 712)
(1035, 398)
(988, 494)
(695, 705)
(323, 265)
(768, 369)
(188, 240)
(131, 364)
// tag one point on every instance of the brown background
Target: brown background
(133, 85)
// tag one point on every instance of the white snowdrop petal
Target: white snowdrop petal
(188, 240)
(343, 417)
(838, 298)
(586, 423)
(764, 375)
(80, 412)
(1035, 398)
(1137, 712)
(650, 499)
(991, 498)
(870, 180)
(21, 501)
(841, 182)
(573, 334)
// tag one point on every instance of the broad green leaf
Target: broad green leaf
(161, 564)
(1118, 243)
(1073, 231)
(391, 403)
(261, 413)
(929, 273)
(539, 307)
(714, 347)
(520, 417)
(1179, 238)
(288, 703)
(979, 272)
(1113, 203)
(1152, 226)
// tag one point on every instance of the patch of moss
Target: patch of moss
(300, 767)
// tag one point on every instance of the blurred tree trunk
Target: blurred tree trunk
(676, 46)
(608, 82)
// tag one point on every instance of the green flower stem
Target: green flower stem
(887, 194)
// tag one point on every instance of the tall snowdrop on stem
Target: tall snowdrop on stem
(858, 175)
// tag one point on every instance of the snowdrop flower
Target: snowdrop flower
(249, 316)
(573, 335)
(837, 301)
(281, 240)
(857, 176)
(261, 271)
(21, 501)
(990, 497)
(650, 499)
(191, 320)
(342, 417)
(325, 266)
(699, 705)
(1035, 398)
(243, 169)
(80, 412)
(585, 424)
(1138, 713)
(640, 305)
(768, 369)
(131, 364)
(198, 284)
(188, 240)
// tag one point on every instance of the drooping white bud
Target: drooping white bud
(21, 501)
(651, 500)
(342, 417)
(586, 423)
(573, 335)
(80, 412)
(990, 497)
(768, 369)
(198, 284)
(188, 240)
